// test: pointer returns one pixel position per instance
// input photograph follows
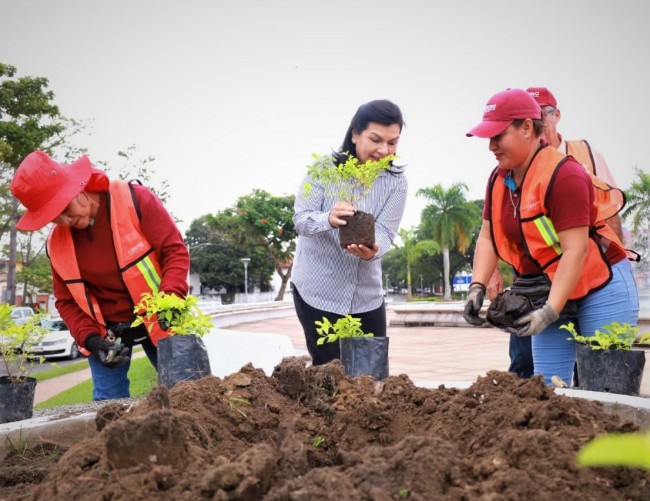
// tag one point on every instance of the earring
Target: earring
(354, 142)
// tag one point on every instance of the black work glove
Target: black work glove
(536, 321)
(111, 355)
(474, 303)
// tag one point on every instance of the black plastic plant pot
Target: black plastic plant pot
(182, 358)
(365, 356)
(16, 399)
(611, 371)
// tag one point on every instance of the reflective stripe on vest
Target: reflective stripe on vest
(137, 262)
(547, 231)
(540, 238)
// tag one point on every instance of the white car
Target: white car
(58, 342)
(20, 314)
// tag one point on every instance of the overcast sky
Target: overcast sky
(229, 96)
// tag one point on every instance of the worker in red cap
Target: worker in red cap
(578, 149)
(111, 242)
(543, 215)
(521, 355)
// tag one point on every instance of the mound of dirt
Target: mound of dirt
(310, 433)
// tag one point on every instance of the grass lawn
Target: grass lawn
(60, 370)
(141, 373)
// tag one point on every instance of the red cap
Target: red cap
(46, 187)
(502, 109)
(543, 96)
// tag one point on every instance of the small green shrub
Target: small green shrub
(181, 316)
(348, 181)
(345, 327)
(613, 336)
(17, 343)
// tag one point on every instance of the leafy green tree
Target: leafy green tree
(638, 202)
(449, 219)
(35, 276)
(413, 249)
(269, 225)
(393, 264)
(259, 226)
(216, 247)
(29, 120)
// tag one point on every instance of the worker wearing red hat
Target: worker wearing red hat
(579, 149)
(521, 361)
(111, 242)
(543, 215)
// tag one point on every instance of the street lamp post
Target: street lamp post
(386, 275)
(421, 286)
(245, 260)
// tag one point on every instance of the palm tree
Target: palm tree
(450, 220)
(412, 249)
(638, 209)
(638, 201)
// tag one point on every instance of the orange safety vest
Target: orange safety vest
(581, 151)
(136, 259)
(540, 238)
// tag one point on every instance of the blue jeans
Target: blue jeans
(618, 301)
(521, 356)
(114, 383)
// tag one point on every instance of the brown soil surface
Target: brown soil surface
(310, 433)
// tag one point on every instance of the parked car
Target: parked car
(20, 314)
(58, 342)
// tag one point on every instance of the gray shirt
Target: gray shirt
(327, 277)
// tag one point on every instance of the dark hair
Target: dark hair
(381, 111)
(537, 125)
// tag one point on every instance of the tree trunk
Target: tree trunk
(445, 265)
(285, 280)
(409, 294)
(11, 268)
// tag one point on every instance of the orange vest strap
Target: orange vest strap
(581, 151)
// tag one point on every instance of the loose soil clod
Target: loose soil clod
(313, 433)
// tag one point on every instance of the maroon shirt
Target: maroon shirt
(570, 205)
(100, 271)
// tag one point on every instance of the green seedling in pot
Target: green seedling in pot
(614, 336)
(345, 327)
(348, 181)
(181, 316)
(17, 343)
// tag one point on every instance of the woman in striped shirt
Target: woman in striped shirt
(332, 282)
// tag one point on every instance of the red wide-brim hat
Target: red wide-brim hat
(46, 187)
